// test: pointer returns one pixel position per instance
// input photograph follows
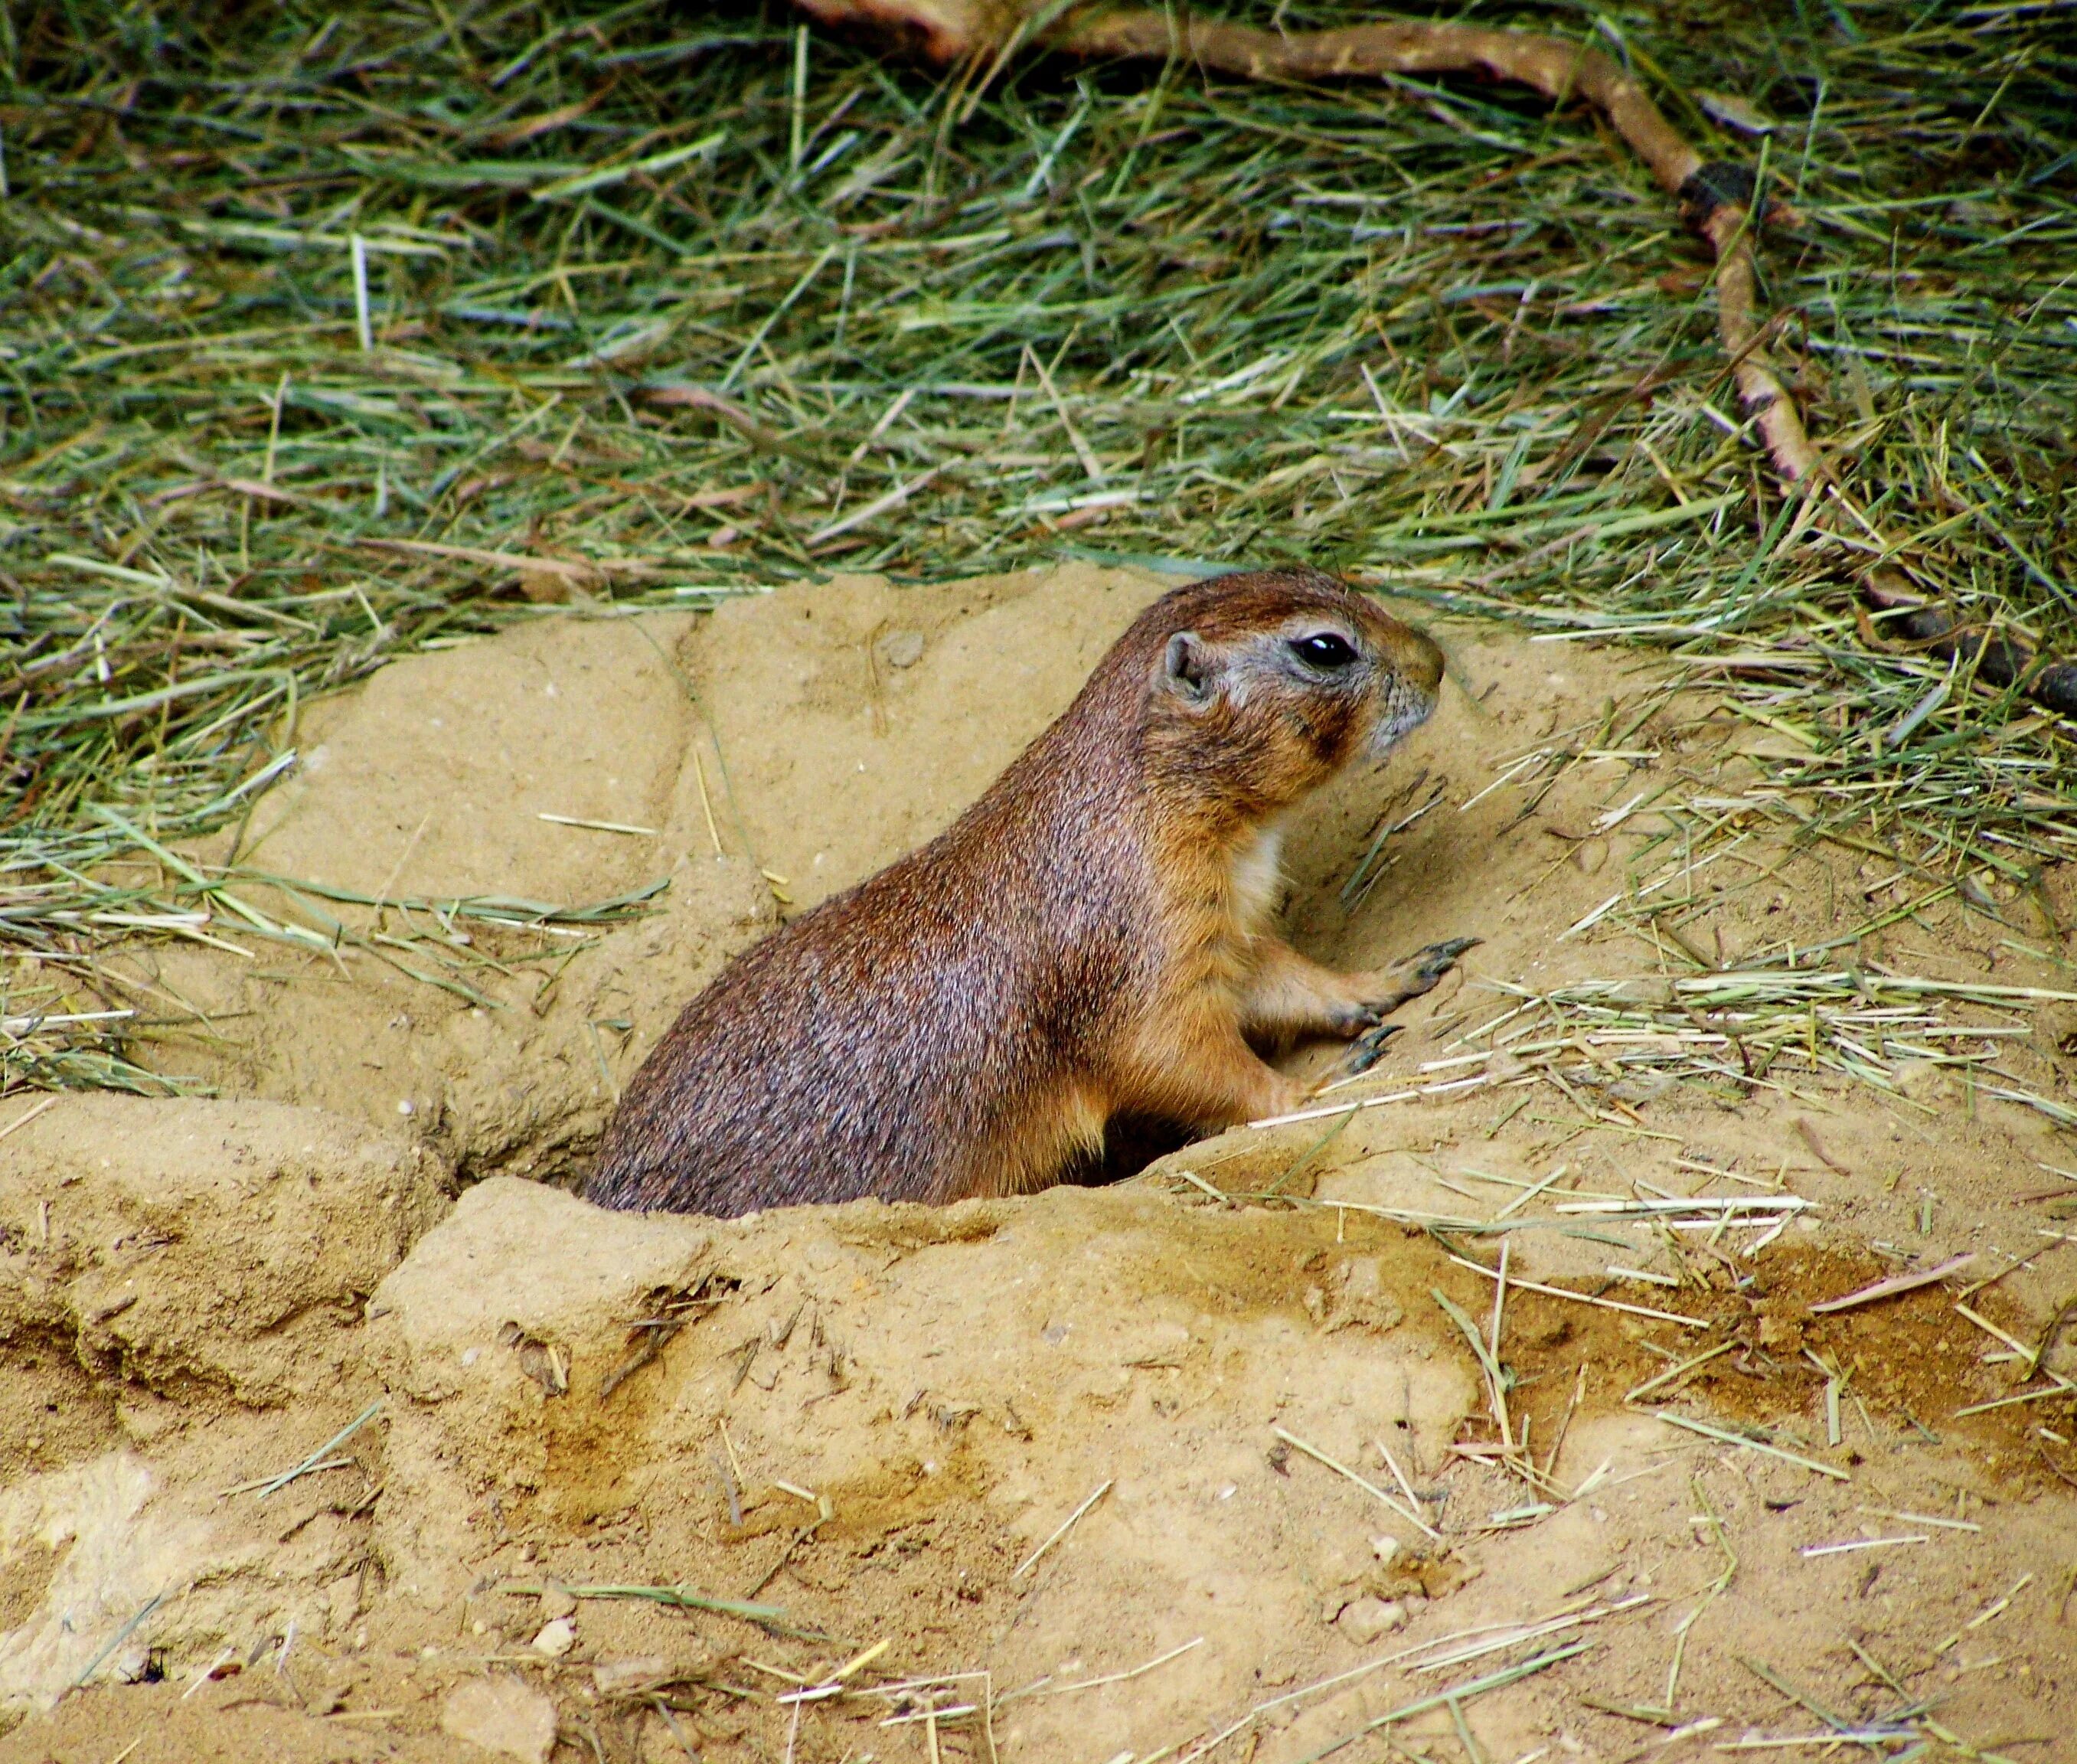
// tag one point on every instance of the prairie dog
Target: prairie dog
(1091, 942)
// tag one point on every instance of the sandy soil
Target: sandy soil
(1097, 1475)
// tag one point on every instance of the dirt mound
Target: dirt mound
(170, 1272)
(185, 1248)
(1220, 1451)
(1086, 1472)
(892, 1359)
(430, 784)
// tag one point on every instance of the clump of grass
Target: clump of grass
(679, 307)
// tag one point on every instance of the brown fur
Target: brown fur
(1089, 942)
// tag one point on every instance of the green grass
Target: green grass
(688, 296)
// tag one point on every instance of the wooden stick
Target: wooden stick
(1713, 197)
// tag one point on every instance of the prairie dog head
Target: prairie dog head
(1260, 687)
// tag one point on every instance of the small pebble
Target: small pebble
(557, 1638)
(501, 1715)
(616, 1678)
(1363, 1620)
(901, 649)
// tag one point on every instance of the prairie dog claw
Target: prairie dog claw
(1368, 1048)
(1425, 966)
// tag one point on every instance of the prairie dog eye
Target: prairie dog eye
(1324, 649)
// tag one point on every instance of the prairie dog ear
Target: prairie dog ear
(1187, 668)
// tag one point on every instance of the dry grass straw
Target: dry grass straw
(771, 1618)
(330, 335)
(1609, 1044)
(1443, 1652)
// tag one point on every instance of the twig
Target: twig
(116, 1641)
(1452, 1698)
(685, 1598)
(1730, 1438)
(1368, 1487)
(1585, 1298)
(1672, 1372)
(27, 1116)
(316, 1458)
(1065, 1526)
(1808, 1552)
(1108, 1677)
(1714, 200)
(1895, 1284)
